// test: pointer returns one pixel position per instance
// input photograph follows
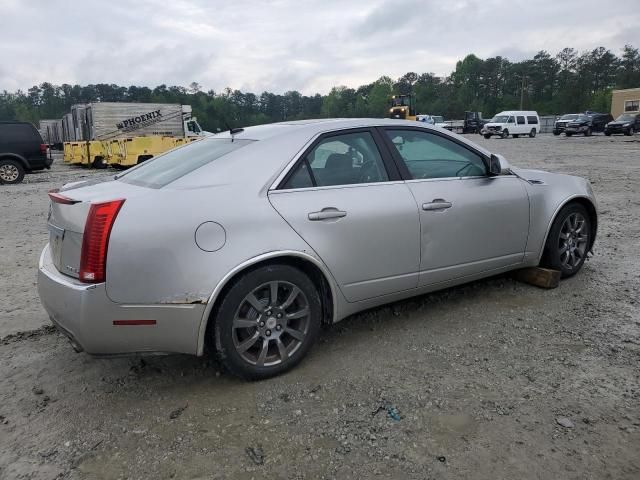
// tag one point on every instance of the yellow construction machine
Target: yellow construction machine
(403, 107)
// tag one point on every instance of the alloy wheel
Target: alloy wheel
(573, 241)
(271, 323)
(9, 173)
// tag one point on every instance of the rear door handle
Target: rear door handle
(326, 214)
(437, 204)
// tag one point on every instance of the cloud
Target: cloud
(305, 45)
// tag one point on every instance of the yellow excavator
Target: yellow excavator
(402, 107)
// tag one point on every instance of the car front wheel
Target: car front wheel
(505, 133)
(568, 241)
(267, 322)
(11, 172)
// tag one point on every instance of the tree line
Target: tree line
(551, 84)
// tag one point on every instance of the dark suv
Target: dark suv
(560, 124)
(21, 150)
(587, 124)
(627, 123)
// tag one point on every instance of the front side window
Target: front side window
(427, 155)
(632, 105)
(345, 159)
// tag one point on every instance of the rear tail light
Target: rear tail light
(93, 259)
(43, 148)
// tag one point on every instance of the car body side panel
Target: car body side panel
(169, 267)
(548, 193)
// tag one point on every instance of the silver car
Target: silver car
(245, 242)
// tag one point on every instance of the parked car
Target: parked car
(587, 124)
(21, 150)
(430, 119)
(514, 123)
(560, 124)
(627, 123)
(247, 241)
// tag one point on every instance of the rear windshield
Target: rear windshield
(18, 132)
(162, 170)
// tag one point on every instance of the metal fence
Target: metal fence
(546, 123)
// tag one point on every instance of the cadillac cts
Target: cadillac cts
(245, 242)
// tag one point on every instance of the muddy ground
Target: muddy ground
(493, 380)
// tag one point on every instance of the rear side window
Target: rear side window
(162, 170)
(532, 119)
(521, 121)
(18, 132)
(345, 159)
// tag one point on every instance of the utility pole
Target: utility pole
(522, 92)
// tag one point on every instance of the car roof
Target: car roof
(315, 126)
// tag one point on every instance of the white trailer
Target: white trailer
(52, 133)
(114, 120)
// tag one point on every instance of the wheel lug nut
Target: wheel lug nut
(278, 327)
(268, 333)
(268, 313)
(279, 315)
(262, 324)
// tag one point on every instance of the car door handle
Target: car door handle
(326, 214)
(437, 204)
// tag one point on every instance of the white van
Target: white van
(513, 122)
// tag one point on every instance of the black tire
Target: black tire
(629, 132)
(229, 338)
(608, 134)
(11, 171)
(516, 135)
(588, 132)
(552, 256)
(532, 133)
(99, 162)
(505, 133)
(556, 133)
(487, 136)
(568, 134)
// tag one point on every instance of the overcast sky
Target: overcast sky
(305, 45)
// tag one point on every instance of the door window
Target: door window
(431, 156)
(345, 159)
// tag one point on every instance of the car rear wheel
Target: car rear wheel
(568, 241)
(11, 172)
(532, 133)
(487, 136)
(588, 132)
(505, 133)
(516, 135)
(267, 322)
(608, 134)
(568, 134)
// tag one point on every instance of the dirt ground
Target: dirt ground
(492, 380)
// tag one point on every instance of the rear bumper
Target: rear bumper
(85, 314)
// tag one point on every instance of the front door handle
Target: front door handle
(326, 214)
(437, 204)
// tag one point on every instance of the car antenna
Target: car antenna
(232, 131)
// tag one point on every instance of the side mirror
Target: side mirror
(498, 165)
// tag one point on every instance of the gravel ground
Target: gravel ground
(492, 380)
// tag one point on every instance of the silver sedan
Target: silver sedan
(246, 242)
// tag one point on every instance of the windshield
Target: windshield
(400, 101)
(164, 169)
(500, 119)
(569, 116)
(583, 118)
(625, 117)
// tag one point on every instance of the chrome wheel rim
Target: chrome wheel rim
(271, 323)
(9, 173)
(573, 241)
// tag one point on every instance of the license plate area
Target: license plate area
(56, 237)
